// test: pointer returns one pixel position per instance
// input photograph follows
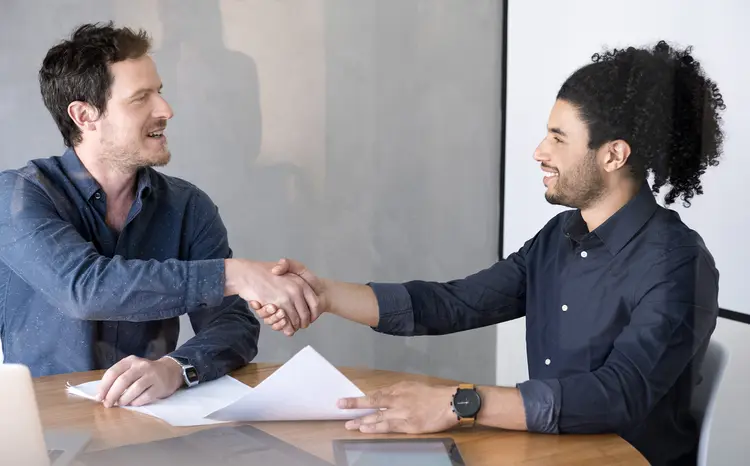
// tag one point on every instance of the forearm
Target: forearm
(502, 407)
(351, 301)
(226, 339)
(101, 288)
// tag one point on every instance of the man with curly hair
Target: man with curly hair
(620, 296)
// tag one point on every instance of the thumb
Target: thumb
(288, 266)
(282, 267)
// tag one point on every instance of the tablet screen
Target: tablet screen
(432, 452)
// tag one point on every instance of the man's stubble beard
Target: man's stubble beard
(580, 188)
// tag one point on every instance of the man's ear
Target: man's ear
(83, 115)
(616, 155)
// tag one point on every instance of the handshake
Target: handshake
(286, 295)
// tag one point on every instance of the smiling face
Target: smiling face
(131, 131)
(572, 173)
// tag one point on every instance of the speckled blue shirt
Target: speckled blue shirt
(75, 295)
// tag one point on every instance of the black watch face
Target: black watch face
(192, 374)
(466, 403)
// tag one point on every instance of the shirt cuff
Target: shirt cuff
(541, 401)
(206, 371)
(205, 284)
(396, 312)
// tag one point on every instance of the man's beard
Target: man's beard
(129, 157)
(580, 187)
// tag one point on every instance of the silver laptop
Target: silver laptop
(22, 440)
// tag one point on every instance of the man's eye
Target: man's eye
(558, 140)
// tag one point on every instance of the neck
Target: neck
(613, 200)
(118, 183)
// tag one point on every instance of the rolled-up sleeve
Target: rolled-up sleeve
(541, 403)
(675, 314)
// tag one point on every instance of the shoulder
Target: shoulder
(668, 236)
(181, 191)
(36, 177)
(676, 256)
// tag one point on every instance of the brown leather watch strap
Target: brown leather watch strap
(467, 421)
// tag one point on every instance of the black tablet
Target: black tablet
(397, 452)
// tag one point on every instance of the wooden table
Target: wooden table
(479, 446)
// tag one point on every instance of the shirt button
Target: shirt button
(584, 254)
(546, 362)
(97, 195)
(564, 307)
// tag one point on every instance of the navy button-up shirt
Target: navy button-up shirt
(75, 295)
(617, 322)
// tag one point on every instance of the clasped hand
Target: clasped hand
(289, 314)
(292, 300)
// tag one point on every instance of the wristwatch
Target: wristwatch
(189, 372)
(466, 403)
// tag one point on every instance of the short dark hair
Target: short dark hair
(77, 69)
(661, 102)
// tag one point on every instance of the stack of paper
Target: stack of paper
(307, 387)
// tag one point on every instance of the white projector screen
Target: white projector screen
(548, 39)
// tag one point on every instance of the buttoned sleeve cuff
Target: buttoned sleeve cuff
(541, 401)
(396, 312)
(205, 283)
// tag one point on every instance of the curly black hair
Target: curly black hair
(77, 69)
(660, 101)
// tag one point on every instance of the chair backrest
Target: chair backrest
(704, 394)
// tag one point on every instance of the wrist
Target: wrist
(466, 404)
(174, 369)
(449, 414)
(324, 297)
(230, 277)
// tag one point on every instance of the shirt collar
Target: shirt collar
(621, 227)
(88, 186)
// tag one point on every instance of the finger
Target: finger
(375, 418)
(278, 326)
(111, 375)
(289, 266)
(148, 396)
(135, 390)
(121, 384)
(390, 425)
(376, 400)
(311, 299)
(291, 312)
(267, 311)
(282, 267)
(255, 305)
(275, 317)
(302, 310)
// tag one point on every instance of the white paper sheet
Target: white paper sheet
(187, 407)
(306, 388)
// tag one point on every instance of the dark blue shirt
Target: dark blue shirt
(75, 295)
(617, 322)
